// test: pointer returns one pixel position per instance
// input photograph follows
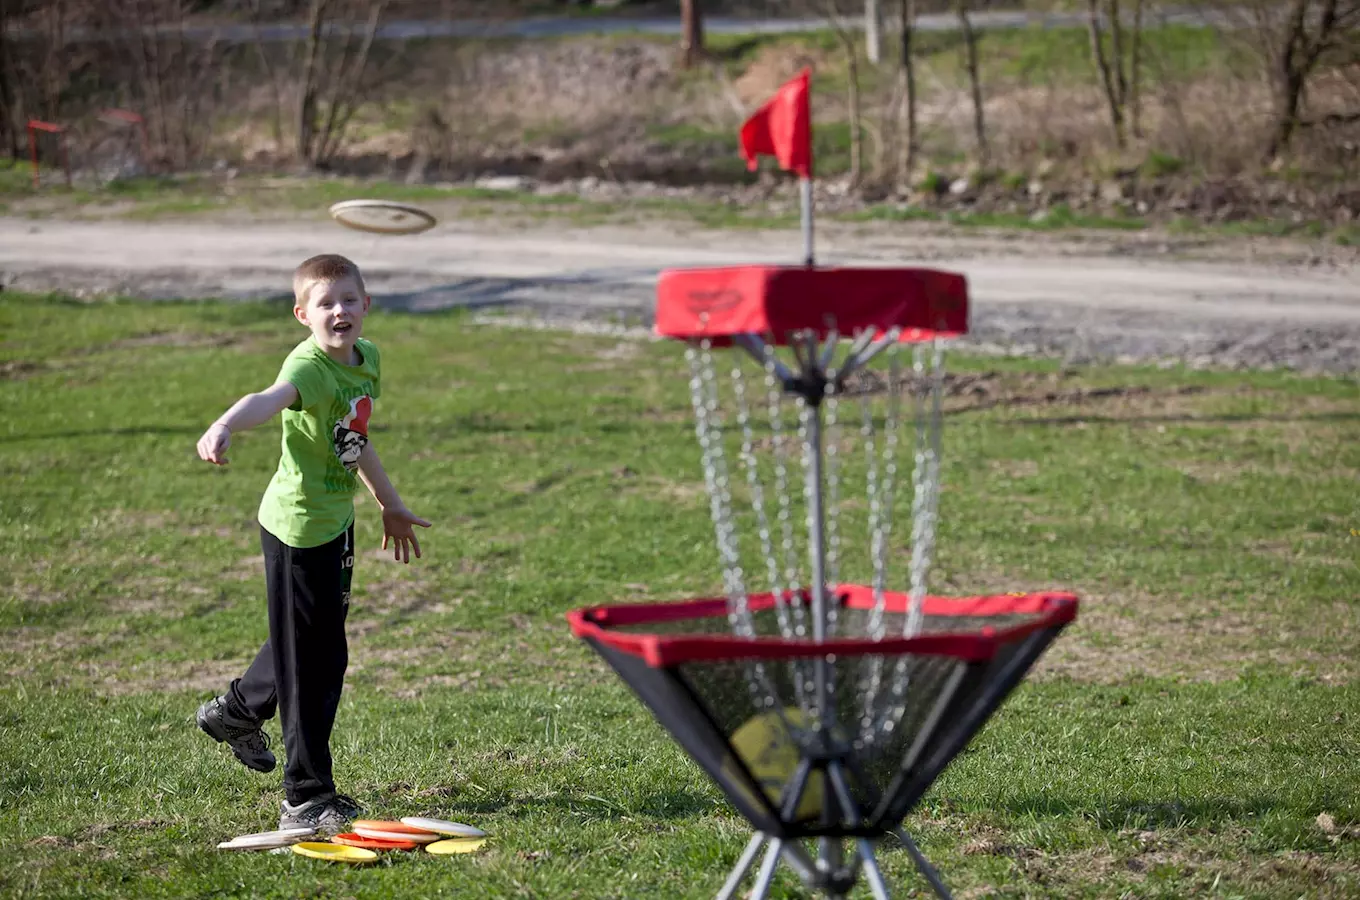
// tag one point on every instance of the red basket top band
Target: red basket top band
(1047, 609)
(773, 301)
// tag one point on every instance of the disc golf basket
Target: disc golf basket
(822, 695)
(118, 145)
(47, 144)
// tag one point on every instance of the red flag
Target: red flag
(782, 128)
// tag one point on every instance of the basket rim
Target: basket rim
(1048, 608)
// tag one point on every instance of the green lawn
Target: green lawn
(1182, 738)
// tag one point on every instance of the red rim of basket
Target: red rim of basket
(1050, 608)
(721, 303)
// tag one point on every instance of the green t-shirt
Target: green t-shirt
(310, 500)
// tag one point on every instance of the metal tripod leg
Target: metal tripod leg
(871, 871)
(924, 865)
(767, 869)
(748, 856)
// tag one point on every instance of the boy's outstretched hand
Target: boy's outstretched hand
(212, 447)
(397, 522)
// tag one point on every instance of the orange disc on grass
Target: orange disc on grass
(350, 839)
(392, 831)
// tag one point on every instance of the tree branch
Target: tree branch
(1331, 120)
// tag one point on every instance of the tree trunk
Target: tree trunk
(306, 106)
(1295, 57)
(873, 31)
(1121, 83)
(692, 39)
(1112, 98)
(856, 138)
(9, 119)
(1288, 94)
(346, 93)
(974, 79)
(1135, 98)
(906, 163)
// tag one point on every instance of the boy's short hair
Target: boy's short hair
(326, 268)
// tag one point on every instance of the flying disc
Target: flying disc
(392, 831)
(350, 839)
(443, 826)
(454, 845)
(267, 840)
(382, 217)
(334, 852)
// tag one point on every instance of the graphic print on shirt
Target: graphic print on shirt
(351, 432)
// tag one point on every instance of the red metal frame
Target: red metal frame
(658, 651)
(37, 125)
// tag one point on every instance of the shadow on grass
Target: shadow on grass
(145, 431)
(510, 292)
(1168, 419)
(675, 804)
(1149, 814)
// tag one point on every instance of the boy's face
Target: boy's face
(334, 311)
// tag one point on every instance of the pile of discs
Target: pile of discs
(369, 837)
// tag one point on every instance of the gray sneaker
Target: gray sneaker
(246, 740)
(330, 813)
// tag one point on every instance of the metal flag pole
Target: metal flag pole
(805, 186)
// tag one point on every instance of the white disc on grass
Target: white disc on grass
(442, 826)
(267, 840)
(382, 217)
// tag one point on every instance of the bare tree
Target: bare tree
(9, 111)
(37, 70)
(910, 140)
(173, 79)
(692, 37)
(331, 82)
(1293, 50)
(873, 31)
(1119, 71)
(847, 38)
(275, 72)
(974, 78)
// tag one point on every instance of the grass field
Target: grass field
(1194, 733)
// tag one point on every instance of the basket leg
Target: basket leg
(767, 869)
(871, 871)
(924, 865)
(748, 856)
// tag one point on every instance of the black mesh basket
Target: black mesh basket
(765, 716)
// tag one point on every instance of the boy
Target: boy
(325, 391)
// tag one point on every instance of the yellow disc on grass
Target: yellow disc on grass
(455, 845)
(334, 852)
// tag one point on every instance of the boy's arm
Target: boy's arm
(246, 413)
(397, 519)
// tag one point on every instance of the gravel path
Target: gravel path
(1030, 295)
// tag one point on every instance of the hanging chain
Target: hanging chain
(925, 515)
(748, 460)
(833, 504)
(775, 390)
(926, 394)
(707, 428)
(883, 704)
(882, 499)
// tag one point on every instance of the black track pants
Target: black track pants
(300, 670)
